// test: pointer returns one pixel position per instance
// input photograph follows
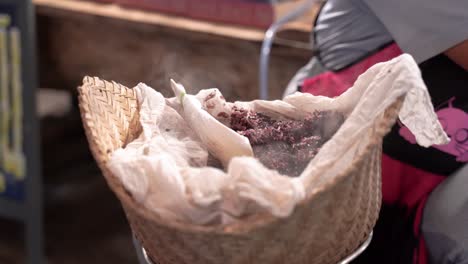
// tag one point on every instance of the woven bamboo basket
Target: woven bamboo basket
(329, 225)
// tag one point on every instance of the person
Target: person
(350, 36)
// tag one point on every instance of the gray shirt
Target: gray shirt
(445, 221)
(346, 30)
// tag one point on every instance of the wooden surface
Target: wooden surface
(73, 44)
(302, 25)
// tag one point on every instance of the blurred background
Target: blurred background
(200, 43)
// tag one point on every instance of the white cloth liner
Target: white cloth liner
(165, 168)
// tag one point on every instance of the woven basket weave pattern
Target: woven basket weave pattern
(324, 228)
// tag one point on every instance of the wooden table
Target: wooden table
(78, 38)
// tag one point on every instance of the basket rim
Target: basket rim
(244, 226)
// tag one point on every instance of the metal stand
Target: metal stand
(144, 259)
(268, 41)
(141, 253)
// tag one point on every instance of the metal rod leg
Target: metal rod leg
(34, 241)
(268, 42)
(141, 253)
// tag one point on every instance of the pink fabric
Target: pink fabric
(402, 184)
(332, 84)
(410, 188)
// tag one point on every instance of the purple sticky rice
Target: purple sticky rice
(286, 145)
